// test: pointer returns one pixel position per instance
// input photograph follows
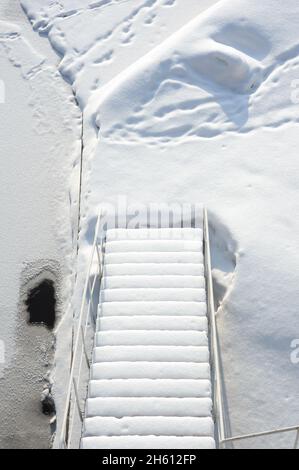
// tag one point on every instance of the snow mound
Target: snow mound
(223, 65)
(206, 79)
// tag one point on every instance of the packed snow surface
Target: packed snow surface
(40, 128)
(187, 105)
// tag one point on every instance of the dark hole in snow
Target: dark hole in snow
(48, 405)
(41, 304)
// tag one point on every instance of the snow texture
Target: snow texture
(40, 129)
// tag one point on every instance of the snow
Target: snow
(155, 307)
(151, 245)
(151, 337)
(99, 54)
(39, 144)
(154, 257)
(147, 424)
(147, 406)
(117, 234)
(152, 322)
(145, 387)
(149, 352)
(150, 294)
(149, 370)
(121, 282)
(152, 269)
(198, 106)
(148, 442)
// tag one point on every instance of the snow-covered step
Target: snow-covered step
(154, 269)
(126, 246)
(182, 388)
(152, 322)
(151, 338)
(151, 353)
(147, 406)
(148, 425)
(150, 370)
(158, 281)
(153, 308)
(151, 294)
(154, 234)
(147, 442)
(154, 257)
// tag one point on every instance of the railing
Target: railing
(214, 343)
(81, 353)
(215, 359)
(266, 433)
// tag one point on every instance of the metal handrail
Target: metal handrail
(77, 353)
(215, 358)
(266, 433)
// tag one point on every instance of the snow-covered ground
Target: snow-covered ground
(40, 128)
(189, 104)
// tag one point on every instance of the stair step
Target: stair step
(148, 425)
(150, 388)
(154, 269)
(152, 322)
(150, 370)
(151, 337)
(150, 294)
(158, 281)
(153, 308)
(151, 354)
(147, 442)
(143, 246)
(154, 234)
(148, 406)
(154, 257)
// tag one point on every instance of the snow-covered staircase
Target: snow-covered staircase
(150, 383)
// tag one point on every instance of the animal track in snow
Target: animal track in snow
(105, 57)
(205, 89)
(150, 19)
(128, 39)
(169, 3)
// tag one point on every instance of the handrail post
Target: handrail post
(296, 440)
(84, 347)
(77, 400)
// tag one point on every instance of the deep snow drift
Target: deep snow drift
(179, 107)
